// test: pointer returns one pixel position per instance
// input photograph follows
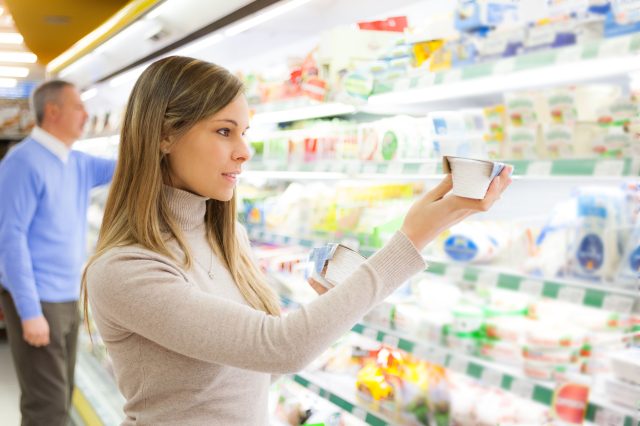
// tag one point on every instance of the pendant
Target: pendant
(211, 275)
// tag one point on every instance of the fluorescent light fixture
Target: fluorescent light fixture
(155, 13)
(1, 10)
(89, 38)
(568, 73)
(76, 65)
(302, 113)
(127, 76)
(25, 57)
(88, 94)
(13, 71)
(11, 38)
(8, 82)
(262, 17)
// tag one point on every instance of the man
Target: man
(44, 195)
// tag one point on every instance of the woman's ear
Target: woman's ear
(165, 146)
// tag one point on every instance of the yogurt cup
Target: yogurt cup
(471, 177)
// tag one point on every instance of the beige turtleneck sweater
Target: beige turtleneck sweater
(188, 350)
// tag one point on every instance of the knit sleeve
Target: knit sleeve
(20, 188)
(144, 294)
(100, 170)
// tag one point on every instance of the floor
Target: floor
(9, 391)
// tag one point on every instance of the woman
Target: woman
(192, 328)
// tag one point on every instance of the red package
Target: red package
(396, 23)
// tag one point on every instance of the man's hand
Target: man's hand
(35, 331)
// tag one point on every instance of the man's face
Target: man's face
(68, 115)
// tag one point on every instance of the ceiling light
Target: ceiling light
(8, 82)
(1, 10)
(14, 71)
(11, 38)
(261, 17)
(26, 57)
(155, 13)
(88, 94)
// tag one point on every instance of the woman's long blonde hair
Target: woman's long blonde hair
(170, 97)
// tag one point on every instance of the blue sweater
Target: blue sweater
(43, 222)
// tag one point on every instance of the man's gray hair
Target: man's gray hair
(47, 92)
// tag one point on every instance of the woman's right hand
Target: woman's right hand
(436, 211)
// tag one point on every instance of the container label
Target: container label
(591, 253)
(460, 248)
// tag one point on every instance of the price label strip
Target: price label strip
(452, 76)
(522, 388)
(488, 278)
(532, 287)
(609, 168)
(606, 417)
(492, 378)
(370, 168)
(539, 168)
(618, 304)
(505, 66)
(394, 168)
(571, 295)
(459, 364)
(391, 340)
(314, 388)
(370, 333)
(359, 413)
(428, 168)
(455, 273)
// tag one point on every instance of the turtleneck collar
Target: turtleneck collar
(188, 209)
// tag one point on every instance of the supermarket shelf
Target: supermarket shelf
(492, 374)
(597, 60)
(578, 292)
(572, 291)
(601, 168)
(341, 392)
(298, 109)
(489, 373)
(97, 399)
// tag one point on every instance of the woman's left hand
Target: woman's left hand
(319, 288)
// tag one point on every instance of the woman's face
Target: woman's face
(208, 159)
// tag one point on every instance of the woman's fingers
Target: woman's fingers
(440, 190)
(498, 185)
(319, 288)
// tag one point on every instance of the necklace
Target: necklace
(210, 270)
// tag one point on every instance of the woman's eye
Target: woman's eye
(224, 132)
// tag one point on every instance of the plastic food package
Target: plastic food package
(626, 365)
(597, 244)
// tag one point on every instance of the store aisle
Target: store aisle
(9, 391)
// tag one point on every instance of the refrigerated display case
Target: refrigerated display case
(539, 293)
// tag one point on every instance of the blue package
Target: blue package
(613, 29)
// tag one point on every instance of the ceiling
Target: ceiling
(50, 27)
